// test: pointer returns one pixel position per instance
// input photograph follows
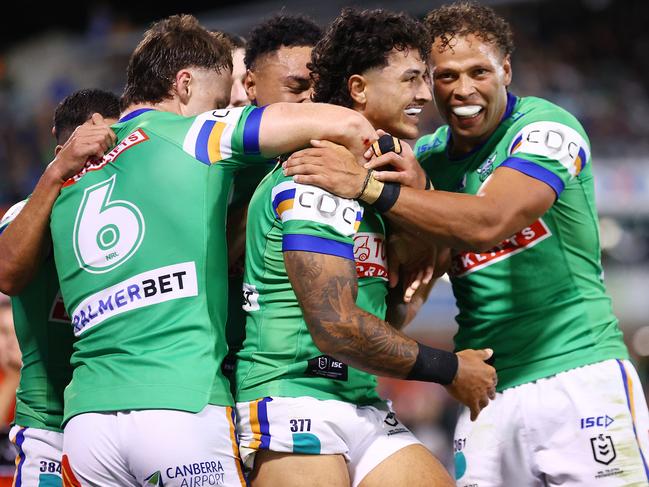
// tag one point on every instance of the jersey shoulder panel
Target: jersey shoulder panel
(546, 142)
(314, 220)
(225, 135)
(294, 202)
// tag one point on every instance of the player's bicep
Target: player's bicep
(325, 286)
(516, 199)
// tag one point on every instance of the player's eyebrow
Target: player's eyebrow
(411, 72)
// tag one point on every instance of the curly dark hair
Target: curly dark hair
(464, 18)
(280, 31)
(359, 40)
(78, 107)
(172, 44)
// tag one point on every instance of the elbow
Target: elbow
(12, 281)
(321, 337)
(9, 286)
(355, 125)
(483, 240)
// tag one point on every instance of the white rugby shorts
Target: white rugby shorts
(587, 427)
(364, 435)
(152, 447)
(38, 463)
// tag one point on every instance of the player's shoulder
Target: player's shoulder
(430, 145)
(11, 214)
(539, 113)
(543, 129)
(295, 201)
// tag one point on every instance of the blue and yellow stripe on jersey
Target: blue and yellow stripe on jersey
(359, 218)
(580, 161)
(516, 144)
(283, 201)
(215, 136)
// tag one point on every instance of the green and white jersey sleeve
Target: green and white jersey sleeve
(223, 136)
(550, 145)
(45, 337)
(279, 357)
(314, 220)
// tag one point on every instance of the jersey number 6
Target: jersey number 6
(106, 233)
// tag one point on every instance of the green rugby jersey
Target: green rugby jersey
(279, 357)
(243, 187)
(139, 242)
(45, 337)
(538, 298)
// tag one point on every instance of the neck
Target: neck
(169, 105)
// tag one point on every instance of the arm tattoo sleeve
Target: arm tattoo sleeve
(326, 287)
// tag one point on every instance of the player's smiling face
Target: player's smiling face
(394, 95)
(470, 79)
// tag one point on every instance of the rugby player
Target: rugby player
(279, 49)
(309, 412)
(277, 55)
(515, 201)
(139, 241)
(238, 95)
(42, 326)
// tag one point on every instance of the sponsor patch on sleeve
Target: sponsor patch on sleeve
(555, 141)
(292, 201)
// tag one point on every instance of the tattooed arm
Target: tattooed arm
(326, 287)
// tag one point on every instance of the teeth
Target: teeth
(467, 110)
(412, 111)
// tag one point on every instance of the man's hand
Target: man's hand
(89, 141)
(475, 381)
(400, 168)
(327, 165)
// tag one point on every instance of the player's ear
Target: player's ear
(507, 70)
(356, 85)
(182, 85)
(250, 85)
(57, 149)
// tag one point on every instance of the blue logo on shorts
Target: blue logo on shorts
(460, 465)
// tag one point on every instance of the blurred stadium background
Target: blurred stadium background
(589, 56)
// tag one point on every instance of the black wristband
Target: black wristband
(388, 197)
(434, 365)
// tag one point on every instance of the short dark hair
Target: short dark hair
(78, 107)
(236, 41)
(170, 45)
(280, 31)
(464, 18)
(359, 40)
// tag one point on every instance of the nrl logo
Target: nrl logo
(603, 449)
(487, 167)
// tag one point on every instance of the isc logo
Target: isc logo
(593, 421)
